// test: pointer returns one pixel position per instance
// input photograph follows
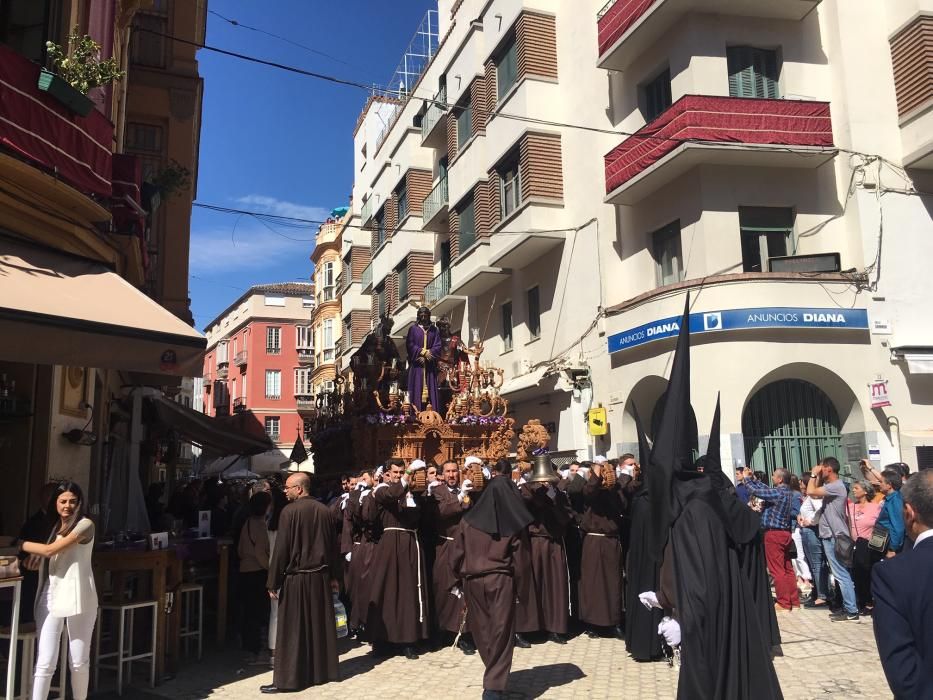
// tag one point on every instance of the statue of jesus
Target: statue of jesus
(423, 343)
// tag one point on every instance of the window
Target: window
(752, 72)
(147, 142)
(657, 95)
(765, 234)
(506, 326)
(274, 300)
(402, 272)
(307, 302)
(510, 191)
(534, 313)
(24, 27)
(381, 227)
(147, 48)
(328, 339)
(272, 427)
(303, 382)
(243, 389)
(467, 224)
(273, 384)
(380, 293)
(273, 340)
(222, 354)
(445, 255)
(401, 198)
(328, 281)
(463, 113)
(304, 338)
(507, 68)
(667, 255)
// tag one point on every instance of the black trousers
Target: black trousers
(255, 608)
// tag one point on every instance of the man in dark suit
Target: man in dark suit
(903, 591)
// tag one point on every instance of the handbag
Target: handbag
(9, 567)
(879, 539)
(843, 544)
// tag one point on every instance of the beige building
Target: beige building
(326, 321)
(569, 171)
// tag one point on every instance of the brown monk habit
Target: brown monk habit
(302, 561)
(482, 555)
(551, 512)
(359, 539)
(397, 599)
(449, 511)
(601, 560)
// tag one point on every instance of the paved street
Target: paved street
(584, 668)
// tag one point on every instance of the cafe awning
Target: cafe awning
(60, 309)
(208, 433)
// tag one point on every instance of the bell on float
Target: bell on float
(543, 470)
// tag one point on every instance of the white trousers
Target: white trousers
(80, 635)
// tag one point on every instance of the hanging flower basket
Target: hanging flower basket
(61, 90)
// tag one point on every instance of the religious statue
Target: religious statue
(450, 364)
(423, 343)
(377, 365)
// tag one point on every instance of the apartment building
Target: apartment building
(83, 315)
(326, 320)
(259, 364)
(570, 171)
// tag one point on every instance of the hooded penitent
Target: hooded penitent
(725, 652)
(501, 511)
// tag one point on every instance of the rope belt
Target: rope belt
(417, 549)
(445, 537)
(569, 589)
(309, 571)
(601, 534)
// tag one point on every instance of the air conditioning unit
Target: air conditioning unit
(525, 365)
(819, 262)
(517, 368)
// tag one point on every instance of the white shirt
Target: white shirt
(922, 536)
(70, 576)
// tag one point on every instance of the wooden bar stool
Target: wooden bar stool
(188, 631)
(27, 637)
(124, 654)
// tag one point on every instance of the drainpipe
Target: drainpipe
(895, 426)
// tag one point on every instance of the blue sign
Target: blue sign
(740, 319)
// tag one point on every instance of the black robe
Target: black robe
(301, 570)
(642, 640)
(725, 653)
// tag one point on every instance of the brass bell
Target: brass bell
(543, 470)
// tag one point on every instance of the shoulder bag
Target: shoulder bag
(843, 544)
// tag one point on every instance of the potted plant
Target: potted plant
(164, 183)
(76, 72)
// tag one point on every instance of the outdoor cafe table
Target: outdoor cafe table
(165, 568)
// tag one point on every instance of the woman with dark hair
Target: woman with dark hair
(66, 591)
(863, 513)
(253, 550)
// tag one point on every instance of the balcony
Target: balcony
(240, 358)
(434, 122)
(522, 249)
(435, 207)
(366, 213)
(306, 404)
(222, 370)
(36, 127)
(367, 280)
(628, 28)
(438, 288)
(207, 378)
(239, 404)
(306, 357)
(732, 131)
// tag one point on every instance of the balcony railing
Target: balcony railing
(435, 201)
(367, 279)
(436, 111)
(239, 404)
(306, 357)
(304, 402)
(37, 127)
(240, 358)
(729, 122)
(366, 213)
(222, 370)
(437, 288)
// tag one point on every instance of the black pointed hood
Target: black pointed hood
(299, 453)
(644, 450)
(713, 462)
(501, 512)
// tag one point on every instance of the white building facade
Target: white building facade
(570, 173)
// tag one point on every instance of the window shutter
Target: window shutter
(741, 71)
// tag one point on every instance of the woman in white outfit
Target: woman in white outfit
(66, 592)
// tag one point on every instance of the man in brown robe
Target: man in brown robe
(300, 578)
(356, 545)
(397, 611)
(451, 501)
(482, 554)
(601, 559)
(552, 513)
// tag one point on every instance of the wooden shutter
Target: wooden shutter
(752, 72)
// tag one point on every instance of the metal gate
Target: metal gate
(791, 424)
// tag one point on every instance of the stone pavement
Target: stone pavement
(584, 668)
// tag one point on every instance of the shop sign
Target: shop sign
(741, 319)
(879, 393)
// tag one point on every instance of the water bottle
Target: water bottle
(340, 614)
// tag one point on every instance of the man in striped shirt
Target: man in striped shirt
(775, 521)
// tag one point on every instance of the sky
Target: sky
(282, 143)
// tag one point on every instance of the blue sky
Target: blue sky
(281, 143)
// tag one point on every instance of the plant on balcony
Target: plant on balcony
(77, 71)
(171, 179)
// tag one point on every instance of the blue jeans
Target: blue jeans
(813, 549)
(842, 576)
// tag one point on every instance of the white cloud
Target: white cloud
(252, 247)
(279, 207)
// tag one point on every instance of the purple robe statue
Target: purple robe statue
(423, 342)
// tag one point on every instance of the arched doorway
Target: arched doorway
(790, 423)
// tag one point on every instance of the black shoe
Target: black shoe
(810, 604)
(271, 689)
(592, 634)
(410, 653)
(381, 650)
(492, 695)
(556, 638)
(843, 616)
(618, 632)
(521, 642)
(466, 646)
